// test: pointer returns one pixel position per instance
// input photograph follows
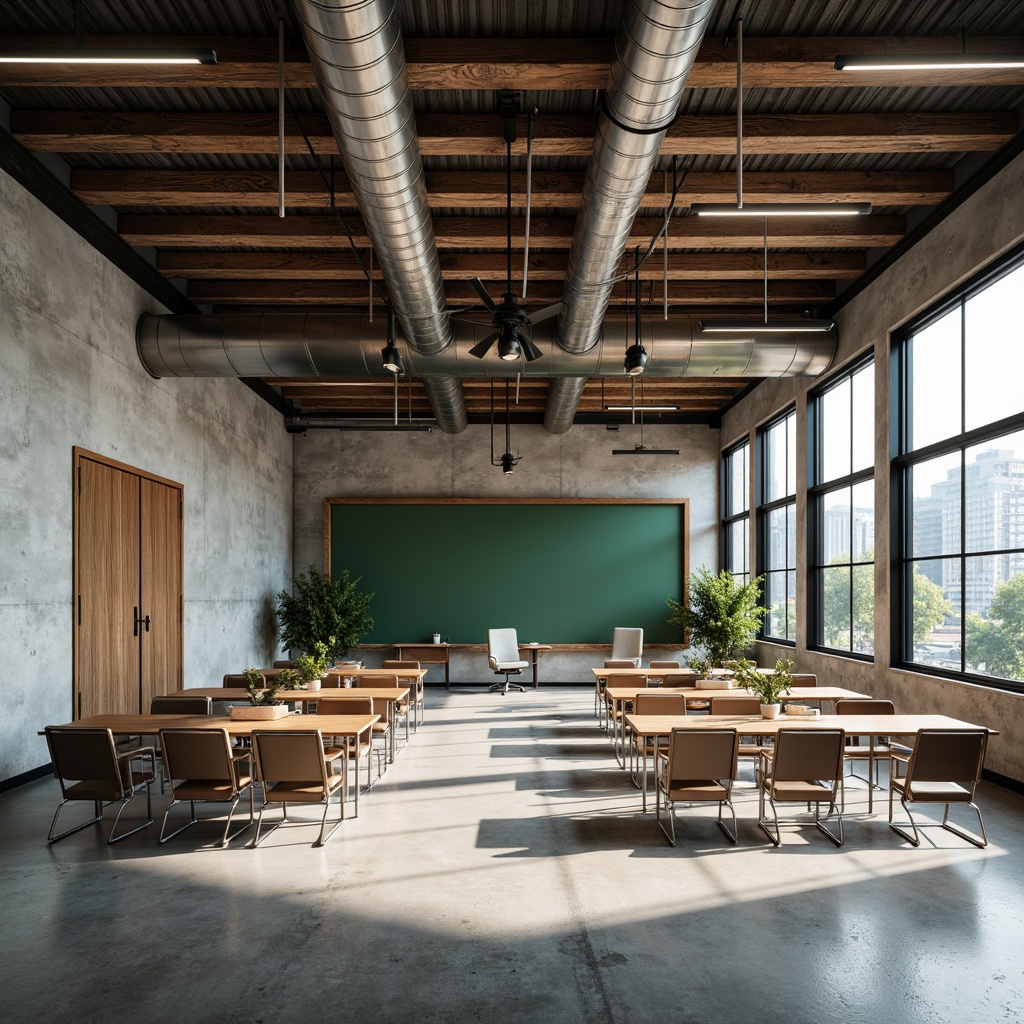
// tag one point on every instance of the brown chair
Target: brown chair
(207, 769)
(284, 664)
(416, 686)
(877, 749)
(601, 707)
(172, 705)
(294, 768)
(741, 705)
(804, 767)
(617, 717)
(943, 768)
(385, 681)
(359, 706)
(653, 666)
(237, 681)
(648, 703)
(88, 766)
(805, 679)
(699, 767)
(687, 679)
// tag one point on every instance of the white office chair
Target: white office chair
(503, 657)
(628, 645)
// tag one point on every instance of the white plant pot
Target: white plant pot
(770, 710)
(313, 684)
(257, 713)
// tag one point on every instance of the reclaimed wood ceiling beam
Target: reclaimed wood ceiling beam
(199, 231)
(90, 131)
(544, 266)
(535, 64)
(459, 293)
(486, 189)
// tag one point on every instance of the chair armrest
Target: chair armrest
(333, 755)
(133, 752)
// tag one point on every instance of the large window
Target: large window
(776, 516)
(736, 511)
(959, 476)
(841, 511)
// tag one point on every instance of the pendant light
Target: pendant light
(636, 354)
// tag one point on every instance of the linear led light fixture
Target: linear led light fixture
(641, 408)
(737, 325)
(104, 55)
(641, 450)
(781, 209)
(929, 61)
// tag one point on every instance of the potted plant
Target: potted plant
(288, 679)
(331, 611)
(311, 667)
(769, 686)
(703, 667)
(723, 615)
(262, 698)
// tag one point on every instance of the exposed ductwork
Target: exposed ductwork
(356, 52)
(654, 51)
(348, 345)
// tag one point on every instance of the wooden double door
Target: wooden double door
(128, 601)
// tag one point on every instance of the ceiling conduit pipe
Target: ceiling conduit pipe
(654, 50)
(356, 51)
(315, 345)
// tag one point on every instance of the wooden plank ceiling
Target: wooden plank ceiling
(185, 157)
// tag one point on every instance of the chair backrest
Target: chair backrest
(735, 705)
(291, 757)
(180, 706)
(679, 679)
(502, 646)
(804, 754)
(695, 754)
(637, 682)
(659, 704)
(805, 679)
(382, 680)
(236, 680)
(284, 664)
(664, 664)
(197, 754)
(620, 663)
(947, 755)
(401, 664)
(864, 706)
(85, 754)
(628, 643)
(344, 706)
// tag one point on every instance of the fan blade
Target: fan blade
(478, 287)
(529, 349)
(480, 349)
(544, 314)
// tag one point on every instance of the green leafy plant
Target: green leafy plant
(330, 611)
(702, 666)
(769, 686)
(723, 615)
(313, 666)
(288, 679)
(261, 692)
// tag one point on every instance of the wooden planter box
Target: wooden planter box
(255, 713)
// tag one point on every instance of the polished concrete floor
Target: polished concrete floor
(502, 871)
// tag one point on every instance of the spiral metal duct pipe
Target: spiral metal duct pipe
(654, 50)
(356, 52)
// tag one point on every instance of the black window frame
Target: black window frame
(818, 489)
(763, 510)
(727, 520)
(903, 459)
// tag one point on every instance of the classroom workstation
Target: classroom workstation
(379, 380)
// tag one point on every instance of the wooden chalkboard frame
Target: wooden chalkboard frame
(682, 503)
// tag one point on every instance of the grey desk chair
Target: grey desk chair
(628, 645)
(503, 657)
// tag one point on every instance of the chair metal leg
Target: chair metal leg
(51, 838)
(670, 832)
(915, 839)
(733, 836)
(323, 821)
(762, 821)
(820, 822)
(188, 824)
(970, 837)
(111, 839)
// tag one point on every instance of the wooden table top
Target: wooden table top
(402, 673)
(150, 725)
(238, 695)
(853, 725)
(796, 693)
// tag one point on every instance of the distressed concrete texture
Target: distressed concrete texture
(578, 464)
(69, 375)
(987, 224)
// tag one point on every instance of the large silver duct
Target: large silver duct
(654, 51)
(356, 52)
(348, 345)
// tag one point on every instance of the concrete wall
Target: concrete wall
(578, 464)
(69, 375)
(989, 223)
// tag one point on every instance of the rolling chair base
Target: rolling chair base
(505, 685)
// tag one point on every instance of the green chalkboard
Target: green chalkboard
(565, 572)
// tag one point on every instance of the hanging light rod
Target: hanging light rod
(781, 209)
(928, 61)
(104, 55)
(737, 325)
(641, 408)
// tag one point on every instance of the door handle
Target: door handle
(146, 621)
(139, 621)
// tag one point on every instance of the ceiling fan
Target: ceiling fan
(509, 316)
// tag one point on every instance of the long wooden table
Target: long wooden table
(648, 726)
(390, 695)
(413, 676)
(618, 695)
(440, 654)
(357, 728)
